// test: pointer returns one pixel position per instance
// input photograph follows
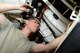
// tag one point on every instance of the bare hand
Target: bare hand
(23, 7)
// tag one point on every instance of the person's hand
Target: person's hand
(23, 7)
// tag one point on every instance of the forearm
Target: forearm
(7, 7)
(52, 45)
(48, 47)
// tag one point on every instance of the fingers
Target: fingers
(27, 6)
(24, 7)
